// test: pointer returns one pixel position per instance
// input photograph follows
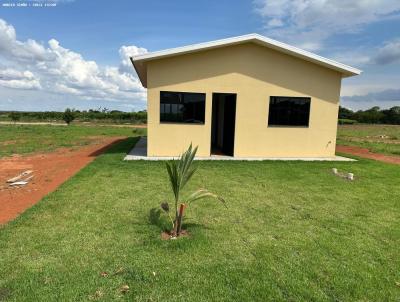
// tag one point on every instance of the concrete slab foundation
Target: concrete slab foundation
(139, 152)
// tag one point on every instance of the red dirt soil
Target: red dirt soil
(50, 170)
(363, 152)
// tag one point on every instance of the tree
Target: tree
(180, 172)
(345, 113)
(372, 116)
(68, 116)
(392, 115)
(15, 116)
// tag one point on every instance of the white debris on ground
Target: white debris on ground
(21, 179)
(349, 176)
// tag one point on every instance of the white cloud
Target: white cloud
(389, 53)
(16, 79)
(349, 90)
(12, 74)
(355, 57)
(61, 88)
(125, 52)
(11, 48)
(7, 35)
(275, 22)
(307, 23)
(384, 95)
(374, 79)
(384, 99)
(20, 84)
(364, 57)
(57, 70)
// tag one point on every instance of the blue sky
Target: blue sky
(76, 53)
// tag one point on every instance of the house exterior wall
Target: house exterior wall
(254, 73)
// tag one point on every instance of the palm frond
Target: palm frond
(185, 164)
(203, 193)
(188, 175)
(173, 178)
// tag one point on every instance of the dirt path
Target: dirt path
(32, 123)
(50, 170)
(363, 152)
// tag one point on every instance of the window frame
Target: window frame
(307, 125)
(170, 104)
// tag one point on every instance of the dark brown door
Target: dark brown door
(223, 123)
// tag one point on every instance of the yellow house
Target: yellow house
(246, 97)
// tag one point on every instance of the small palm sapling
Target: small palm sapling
(180, 172)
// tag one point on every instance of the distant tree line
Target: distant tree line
(374, 115)
(98, 115)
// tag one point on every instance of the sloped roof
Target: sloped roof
(140, 61)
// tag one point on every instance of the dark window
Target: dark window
(289, 111)
(182, 107)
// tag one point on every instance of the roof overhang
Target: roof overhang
(140, 61)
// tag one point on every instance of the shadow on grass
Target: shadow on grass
(5, 293)
(117, 147)
(160, 219)
(106, 148)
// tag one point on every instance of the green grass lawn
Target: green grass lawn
(376, 138)
(23, 139)
(292, 232)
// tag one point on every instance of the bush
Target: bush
(15, 116)
(344, 121)
(68, 116)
